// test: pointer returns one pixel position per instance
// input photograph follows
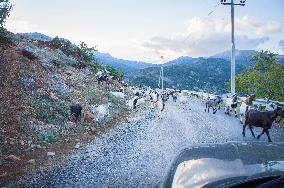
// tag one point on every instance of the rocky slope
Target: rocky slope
(38, 84)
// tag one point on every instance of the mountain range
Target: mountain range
(203, 73)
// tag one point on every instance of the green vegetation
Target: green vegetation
(83, 52)
(87, 54)
(265, 79)
(5, 8)
(50, 111)
(113, 72)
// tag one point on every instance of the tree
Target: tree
(5, 8)
(265, 79)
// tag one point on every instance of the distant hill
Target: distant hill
(209, 74)
(126, 66)
(35, 36)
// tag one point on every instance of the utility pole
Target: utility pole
(233, 59)
(162, 73)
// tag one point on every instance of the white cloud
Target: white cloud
(258, 27)
(16, 25)
(204, 37)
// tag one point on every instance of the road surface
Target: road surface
(139, 154)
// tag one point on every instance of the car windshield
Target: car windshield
(148, 93)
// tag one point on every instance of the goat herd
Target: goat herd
(249, 112)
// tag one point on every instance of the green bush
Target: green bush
(5, 36)
(116, 74)
(5, 8)
(265, 79)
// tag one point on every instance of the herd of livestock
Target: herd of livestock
(250, 112)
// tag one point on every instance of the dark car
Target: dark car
(256, 164)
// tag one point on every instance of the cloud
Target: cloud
(204, 37)
(258, 27)
(17, 25)
(281, 44)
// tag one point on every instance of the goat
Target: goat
(158, 107)
(230, 105)
(75, 112)
(261, 119)
(213, 103)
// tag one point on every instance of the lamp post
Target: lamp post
(233, 60)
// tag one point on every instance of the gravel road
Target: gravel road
(139, 154)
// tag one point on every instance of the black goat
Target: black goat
(75, 112)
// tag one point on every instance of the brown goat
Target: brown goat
(248, 101)
(261, 119)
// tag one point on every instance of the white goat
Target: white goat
(101, 111)
(158, 108)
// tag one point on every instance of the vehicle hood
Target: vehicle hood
(204, 164)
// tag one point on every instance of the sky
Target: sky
(145, 30)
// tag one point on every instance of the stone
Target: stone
(89, 117)
(60, 85)
(77, 146)
(57, 63)
(29, 82)
(50, 154)
(53, 96)
(46, 66)
(22, 143)
(13, 158)
(31, 161)
(28, 52)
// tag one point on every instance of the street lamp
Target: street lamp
(233, 60)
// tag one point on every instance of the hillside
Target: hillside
(209, 74)
(40, 80)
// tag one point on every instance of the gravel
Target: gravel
(139, 154)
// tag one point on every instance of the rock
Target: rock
(89, 117)
(31, 161)
(53, 96)
(93, 129)
(22, 143)
(50, 154)
(46, 66)
(38, 146)
(71, 125)
(29, 142)
(60, 85)
(77, 140)
(77, 146)
(29, 82)
(28, 52)
(3, 174)
(13, 158)
(57, 63)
